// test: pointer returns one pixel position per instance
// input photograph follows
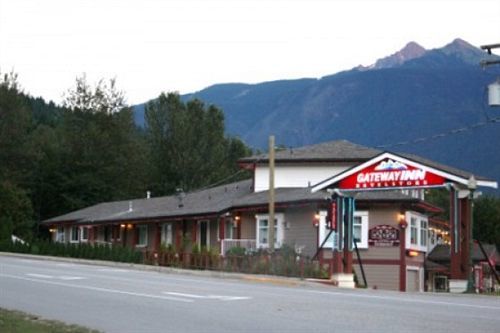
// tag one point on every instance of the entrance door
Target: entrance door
(412, 280)
(204, 232)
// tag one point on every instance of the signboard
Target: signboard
(332, 215)
(390, 173)
(383, 235)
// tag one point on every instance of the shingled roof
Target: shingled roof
(441, 253)
(345, 151)
(207, 202)
(333, 151)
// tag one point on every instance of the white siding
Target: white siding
(295, 175)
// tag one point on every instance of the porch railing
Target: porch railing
(250, 245)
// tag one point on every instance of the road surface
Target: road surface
(126, 300)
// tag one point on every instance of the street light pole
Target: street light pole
(472, 186)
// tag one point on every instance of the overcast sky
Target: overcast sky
(152, 46)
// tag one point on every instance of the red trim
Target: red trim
(440, 222)
(429, 207)
(378, 262)
(222, 221)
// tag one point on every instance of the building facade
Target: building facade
(392, 228)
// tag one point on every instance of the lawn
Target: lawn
(19, 322)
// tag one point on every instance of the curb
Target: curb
(269, 279)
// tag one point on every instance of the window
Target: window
(166, 234)
(142, 235)
(84, 232)
(360, 230)
(324, 231)
(417, 232)
(60, 234)
(263, 230)
(423, 233)
(74, 234)
(413, 231)
(228, 229)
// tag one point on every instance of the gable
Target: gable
(391, 171)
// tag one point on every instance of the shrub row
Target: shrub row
(75, 250)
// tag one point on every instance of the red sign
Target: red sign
(383, 235)
(390, 173)
(332, 215)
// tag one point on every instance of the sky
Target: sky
(154, 46)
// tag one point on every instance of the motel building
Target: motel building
(392, 226)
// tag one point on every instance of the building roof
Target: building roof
(202, 202)
(443, 167)
(332, 151)
(216, 200)
(441, 253)
(345, 151)
(207, 202)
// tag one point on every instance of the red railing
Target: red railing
(276, 264)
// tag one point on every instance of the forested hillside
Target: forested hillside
(55, 159)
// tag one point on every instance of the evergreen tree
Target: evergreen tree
(187, 145)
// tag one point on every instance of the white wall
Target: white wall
(296, 175)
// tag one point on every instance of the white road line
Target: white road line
(405, 300)
(221, 298)
(183, 295)
(228, 298)
(69, 278)
(113, 270)
(41, 276)
(106, 290)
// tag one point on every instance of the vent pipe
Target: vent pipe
(148, 194)
(130, 206)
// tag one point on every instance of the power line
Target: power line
(443, 134)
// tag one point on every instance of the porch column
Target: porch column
(194, 229)
(238, 229)
(222, 224)
(337, 266)
(135, 235)
(156, 237)
(178, 236)
(347, 259)
(402, 256)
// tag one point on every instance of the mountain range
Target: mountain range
(428, 102)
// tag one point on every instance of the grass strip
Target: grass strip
(20, 322)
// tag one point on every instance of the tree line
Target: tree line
(58, 158)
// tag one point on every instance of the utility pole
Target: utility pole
(270, 223)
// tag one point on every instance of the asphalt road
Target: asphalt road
(127, 300)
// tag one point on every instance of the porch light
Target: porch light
(129, 226)
(123, 226)
(402, 220)
(316, 219)
(412, 253)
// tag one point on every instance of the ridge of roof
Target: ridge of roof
(338, 150)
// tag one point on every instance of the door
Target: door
(412, 280)
(204, 232)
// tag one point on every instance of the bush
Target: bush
(74, 250)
